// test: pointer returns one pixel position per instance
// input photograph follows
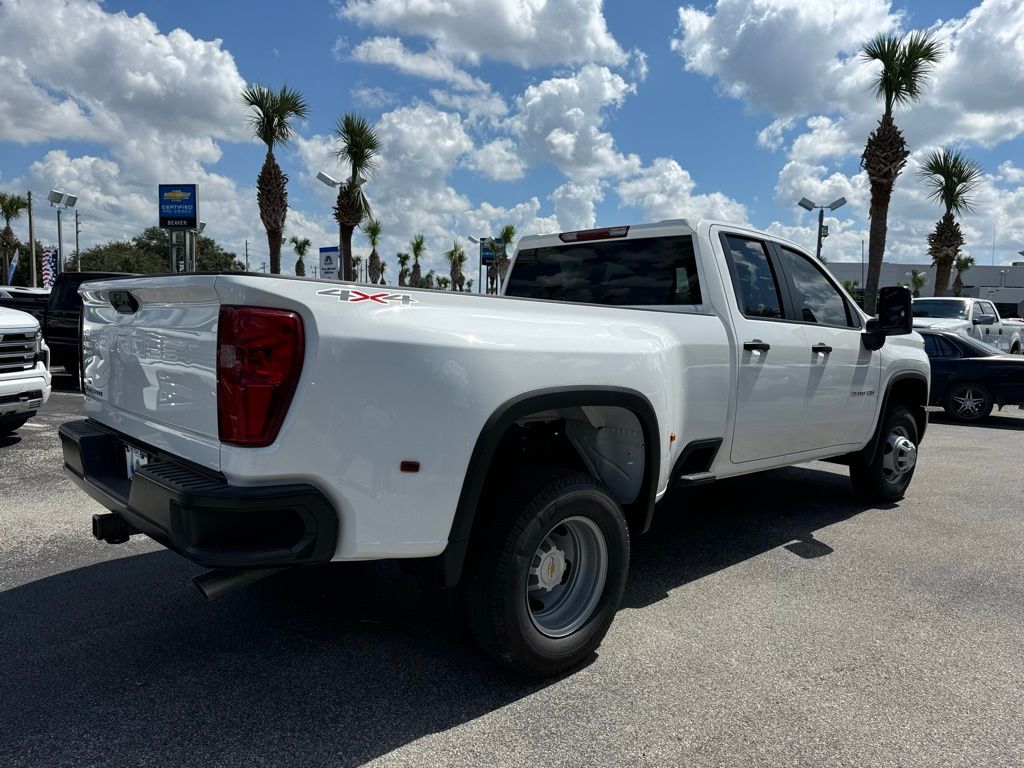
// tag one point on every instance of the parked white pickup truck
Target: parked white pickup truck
(976, 317)
(511, 445)
(24, 369)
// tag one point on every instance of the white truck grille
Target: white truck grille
(17, 351)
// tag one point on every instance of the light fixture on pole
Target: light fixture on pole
(60, 200)
(807, 205)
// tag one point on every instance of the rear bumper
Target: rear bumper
(198, 514)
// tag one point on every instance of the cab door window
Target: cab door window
(757, 289)
(814, 298)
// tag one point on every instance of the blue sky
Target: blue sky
(549, 115)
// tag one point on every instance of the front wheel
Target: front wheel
(887, 476)
(545, 579)
(968, 402)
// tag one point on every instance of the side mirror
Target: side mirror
(894, 316)
(985, 320)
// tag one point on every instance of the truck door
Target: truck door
(773, 358)
(991, 334)
(842, 389)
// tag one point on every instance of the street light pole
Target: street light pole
(58, 200)
(32, 240)
(807, 205)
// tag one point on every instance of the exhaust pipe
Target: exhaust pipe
(217, 583)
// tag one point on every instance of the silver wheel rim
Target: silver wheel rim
(567, 576)
(967, 402)
(899, 457)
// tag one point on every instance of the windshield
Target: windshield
(953, 310)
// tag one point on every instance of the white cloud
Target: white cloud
(773, 136)
(474, 106)
(430, 65)
(78, 72)
(782, 56)
(499, 160)
(373, 97)
(575, 204)
(529, 33)
(664, 190)
(560, 121)
(1011, 173)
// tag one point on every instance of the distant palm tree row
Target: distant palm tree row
(906, 62)
(272, 119)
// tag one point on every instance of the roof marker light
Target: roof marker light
(593, 234)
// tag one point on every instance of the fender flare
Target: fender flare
(503, 417)
(869, 451)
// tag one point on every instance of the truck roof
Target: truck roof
(652, 229)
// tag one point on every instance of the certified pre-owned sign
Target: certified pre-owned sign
(179, 206)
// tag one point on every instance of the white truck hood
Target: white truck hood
(940, 323)
(15, 318)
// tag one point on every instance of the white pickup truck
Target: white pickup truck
(511, 445)
(976, 317)
(24, 369)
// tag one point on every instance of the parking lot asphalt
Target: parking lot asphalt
(770, 620)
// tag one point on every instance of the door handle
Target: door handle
(756, 346)
(823, 348)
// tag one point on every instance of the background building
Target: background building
(1003, 285)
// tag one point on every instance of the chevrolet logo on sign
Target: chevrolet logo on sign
(177, 195)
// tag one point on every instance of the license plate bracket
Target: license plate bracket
(135, 458)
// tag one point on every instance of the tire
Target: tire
(543, 582)
(968, 402)
(887, 476)
(12, 423)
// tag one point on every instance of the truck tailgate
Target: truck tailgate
(149, 353)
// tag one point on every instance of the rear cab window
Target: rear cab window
(644, 271)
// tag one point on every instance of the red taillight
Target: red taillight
(593, 234)
(259, 359)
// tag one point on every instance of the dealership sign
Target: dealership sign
(330, 259)
(179, 206)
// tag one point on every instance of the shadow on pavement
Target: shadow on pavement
(123, 663)
(705, 529)
(1009, 419)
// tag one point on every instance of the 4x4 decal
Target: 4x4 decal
(352, 295)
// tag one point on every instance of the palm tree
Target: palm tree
(271, 121)
(403, 267)
(496, 272)
(417, 246)
(961, 264)
(383, 266)
(850, 286)
(456, 258)
(372, 229)
(469, 285)
(357, 262)
(906, 63)
(952, 178)
(442, 283)
(11, 207)
(301, 247)
(359, 148)
(918, 280)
